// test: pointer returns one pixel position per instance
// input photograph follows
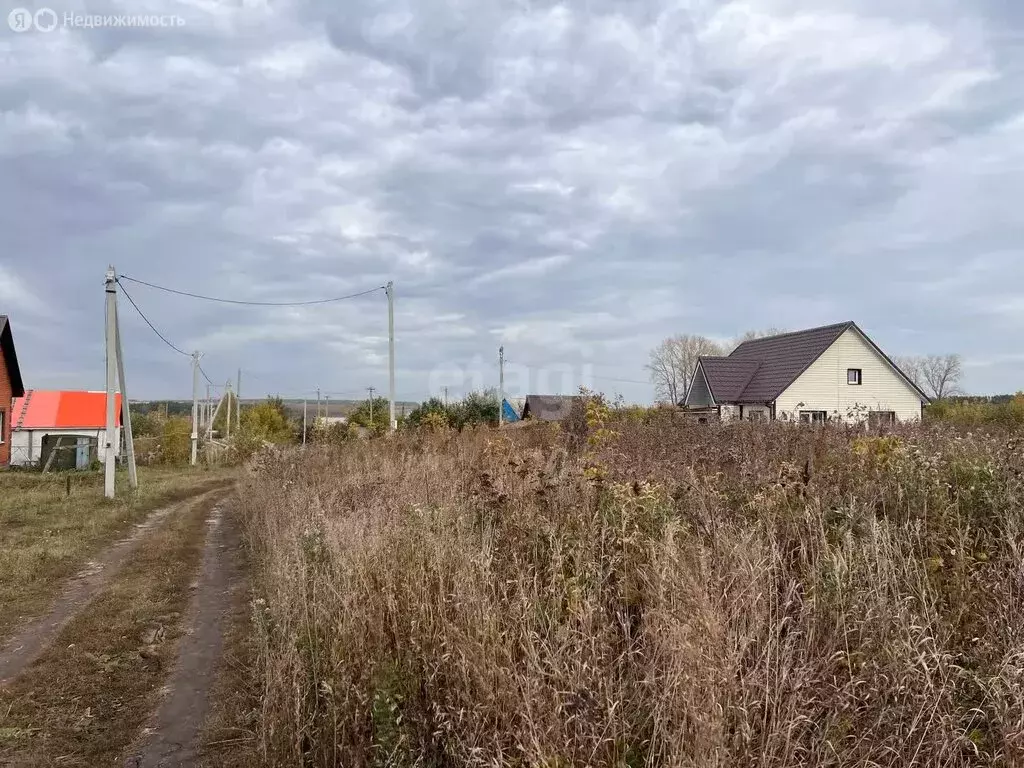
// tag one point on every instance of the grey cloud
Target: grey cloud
(576, 180)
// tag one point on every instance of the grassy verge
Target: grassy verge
(47, 532)
(84, 701)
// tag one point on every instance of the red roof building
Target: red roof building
(44, 420)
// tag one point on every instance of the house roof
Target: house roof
(760, 370)
(10, 357)
(42, 409)
(549, 407)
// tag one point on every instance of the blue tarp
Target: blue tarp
(508, 412)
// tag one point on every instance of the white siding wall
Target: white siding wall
(823, 386)
(699, 395)
(27, 444)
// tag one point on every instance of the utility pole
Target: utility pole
(446, 397)
(195, 405)
(392, 424)
(238, 402)
(327, 408)
(206, 415)
(370, 390)
(501, 385)
(304, 402)
(227, 394)
(126, 410)
(110, 290)
(318, 404)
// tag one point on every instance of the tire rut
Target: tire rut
(174, 734)
(33, 638)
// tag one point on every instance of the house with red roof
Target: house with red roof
(11, 387)
(71, 423)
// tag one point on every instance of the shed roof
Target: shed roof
(10, 356)
(44, 409)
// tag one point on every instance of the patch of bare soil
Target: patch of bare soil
(174, 734)
(34, 637)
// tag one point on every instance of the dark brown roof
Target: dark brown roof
(10, 358)
(549, 407)
(772, 363)
(727, 378)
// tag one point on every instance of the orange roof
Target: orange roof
(41, 409)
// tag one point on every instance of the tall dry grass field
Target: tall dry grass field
(643, 594)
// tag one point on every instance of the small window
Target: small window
(2, 422)
(755, 416)
(854, 376)
(813, 417)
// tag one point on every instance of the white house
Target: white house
(72, 423)
(831, 373)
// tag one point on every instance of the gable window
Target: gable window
(813, 417)
(854, 376)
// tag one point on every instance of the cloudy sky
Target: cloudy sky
(574, 180)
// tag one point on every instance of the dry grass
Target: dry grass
(649, 594)
(46, 534)
(83, 702)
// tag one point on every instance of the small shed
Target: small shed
(72, 424)
(550, 407)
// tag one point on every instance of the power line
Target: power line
(253, 303)
(153, 327)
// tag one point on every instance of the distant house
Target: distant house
(72, 423)
(11, 387)
(549, 407)
(833, 372)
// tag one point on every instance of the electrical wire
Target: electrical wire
(253, 303)
(153, 327)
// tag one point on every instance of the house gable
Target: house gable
(699, 394)
(824, 385)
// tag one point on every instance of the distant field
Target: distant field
(642, 593)
(46, 534)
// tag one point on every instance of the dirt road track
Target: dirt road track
(34, 637)
(172, 737)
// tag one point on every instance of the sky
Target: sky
(574, 181)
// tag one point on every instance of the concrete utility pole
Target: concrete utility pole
(501, 385)
(370, 390)
(195, 406)
(126, 410)
(227, 394)
(446, 397)
(327, 408)
(110, 290)
(238, 401)
(392, 424)
(304, 402)
(318, 404)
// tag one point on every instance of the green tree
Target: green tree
(372, 416)
(475, 408)
(433, 411)
(176, 440)
(268, 422)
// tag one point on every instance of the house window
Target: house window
(755, 416)
(3, 415)
(854, 376)
(813, 417)
(881, 418)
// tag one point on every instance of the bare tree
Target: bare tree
(673, 362)
(938, 375)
